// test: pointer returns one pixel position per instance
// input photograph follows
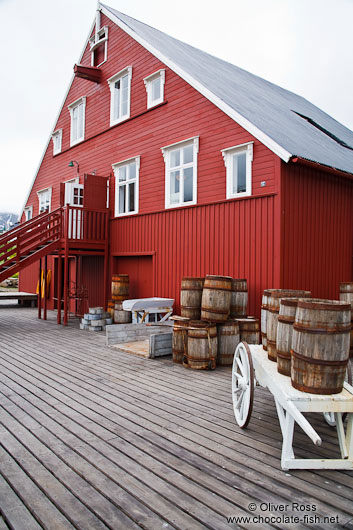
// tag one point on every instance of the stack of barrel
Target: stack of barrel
(213, 320)
(308, 337)
(120, 292)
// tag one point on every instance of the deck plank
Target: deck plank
(134, 442)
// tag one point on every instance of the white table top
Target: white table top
(145, 304)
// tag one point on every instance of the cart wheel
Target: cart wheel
(242, 384)
(329, 416)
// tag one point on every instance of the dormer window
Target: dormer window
(77, 112)
(57, 141)
(154, 84)
(120, 87)
(99, 45)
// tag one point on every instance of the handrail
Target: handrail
(26, 225)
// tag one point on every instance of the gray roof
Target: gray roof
(268, 111)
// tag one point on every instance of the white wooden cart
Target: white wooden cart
(250, 365)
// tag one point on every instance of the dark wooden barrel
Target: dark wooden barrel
(110, 308)
(320, 345)
(216, 296)
(190, 297)
(249, 330)
(286, 317)
(264, 307)
(202, 345)
(120, 287)
(239, 298)
(121, 316)
(180, 338)
(228, 339)
(346, 295)
(273, 302)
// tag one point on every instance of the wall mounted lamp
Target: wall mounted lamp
(72, 164)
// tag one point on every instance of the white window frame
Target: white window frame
(111, 82)
(116, 167)
(96, 40)
(40, 194)
(228, 154)
(57, 137)
(148, 84)
(194, 141)
(71, 107)
(28, 211)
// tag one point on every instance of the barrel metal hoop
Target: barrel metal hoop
(321, 331)
(191, 289)
(323, 362)
(284, 355)
(306, 304)
(286, 319)
(211, 310)
(317, 390)
(228, 290)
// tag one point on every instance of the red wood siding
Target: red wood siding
(317, 230)
(234, 238)
(92, 279)
(140, 271)
(186, 113)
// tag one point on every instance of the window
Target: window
(126, 186)
(181, 172)
(77, 111)
(120, 85)
(154, 84)
(57, 141)
(44, 198)
(98, 44)
(238, 161)
(28, 211)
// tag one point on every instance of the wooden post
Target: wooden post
(45, 287)
(106, 260)
(59, 281)
(40, 290)
(66, 266)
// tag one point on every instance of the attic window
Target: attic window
(154, 84)
(57, 141)
(98, 44)
(325, 131)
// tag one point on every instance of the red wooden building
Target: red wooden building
(167, 162)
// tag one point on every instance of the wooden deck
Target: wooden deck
(92, 438)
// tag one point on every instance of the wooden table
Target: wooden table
(20, 296)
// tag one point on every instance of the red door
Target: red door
(140, 271)
(95, 192)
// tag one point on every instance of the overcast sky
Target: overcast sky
(302, 45)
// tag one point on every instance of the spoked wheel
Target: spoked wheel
(330, 416)
(242, 384)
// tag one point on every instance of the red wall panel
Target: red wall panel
(235, 238)
(317, 230)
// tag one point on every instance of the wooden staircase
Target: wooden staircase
(30, 241)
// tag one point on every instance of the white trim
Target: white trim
(111, 82)
(241, 120)
(116, 166)
(227, 154)
(56, 120)
(95, 42)
(28, 209)
(194, 141)
(72, 107)
(57, 134)
(50, 189)
(160, 74)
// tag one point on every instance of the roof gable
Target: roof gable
(275, 116)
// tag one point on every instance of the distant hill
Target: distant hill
(7, 220)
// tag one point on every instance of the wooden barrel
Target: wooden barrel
(110, 308)
(216, 296)
(239, 298)
(346, 295)
(320, 345)
(121, 316)
(120, 287)
(273, 302)
(190, 297)
(286, 317)
(249, 330)
(228, 339)
(180, 338)
(264, 308)
(202, 345)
